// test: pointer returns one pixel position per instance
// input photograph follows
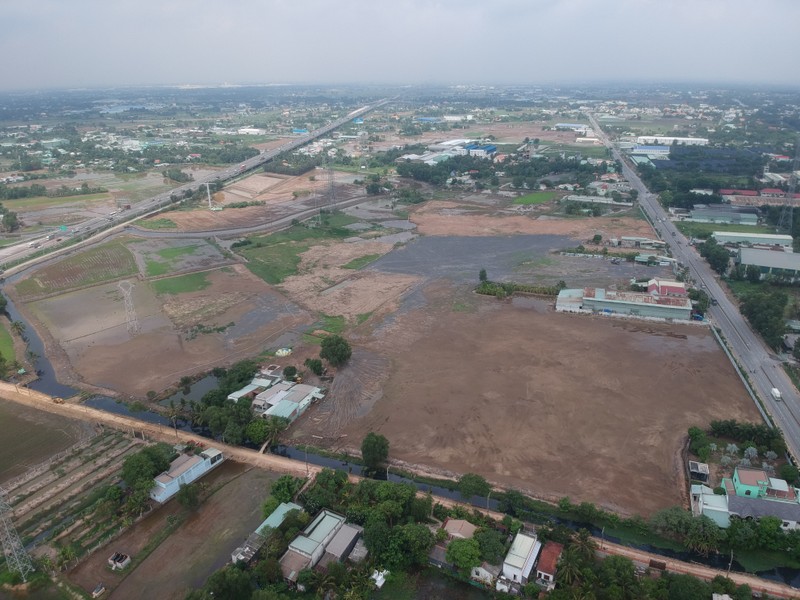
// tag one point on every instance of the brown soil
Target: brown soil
(91, 328)
(552, 404)
(451, 218)
(325, 286)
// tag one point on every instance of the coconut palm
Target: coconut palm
(18, 327)
(584, 545)
(275, 427)
(569, 567)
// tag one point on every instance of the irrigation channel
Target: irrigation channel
(48, 384)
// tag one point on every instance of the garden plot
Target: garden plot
(107, 262)
(158, 257)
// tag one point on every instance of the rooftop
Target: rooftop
(756, 508)
(178, 467)
(292, 563)
(460, 528)
(522, 553)
(750, 476)
(770, 258)
(635, 297)
(343, 539)
(277, 517)
(549, 558)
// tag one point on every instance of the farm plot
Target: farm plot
(159, 257)
(106, 262)
(64, 506)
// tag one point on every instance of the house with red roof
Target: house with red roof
(772, 193)
(665, 287)
(548, 563)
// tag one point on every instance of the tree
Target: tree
(229, 583)
(189, 496)
(257, 431)
(275, 427)
(482, 277)
(789, 472)
(464, 554)
(285, 487)
(336, 350)
(471, 485)
(289, 373)
(569, 567)
(752, 274)
(18, 327)
(491, 545)
(374, 450)
(315, 366)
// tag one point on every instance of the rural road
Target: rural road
(760, 364)
(281, 464)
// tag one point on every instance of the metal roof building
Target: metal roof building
(752, 239)
(771, 262)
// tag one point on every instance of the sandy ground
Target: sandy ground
(323, 285)
(201, 545)
(92, 329)
(452, 218)
(557, 405)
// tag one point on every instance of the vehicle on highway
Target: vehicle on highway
(776, 393)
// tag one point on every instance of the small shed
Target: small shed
(698, 471)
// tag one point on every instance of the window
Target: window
(747, 492)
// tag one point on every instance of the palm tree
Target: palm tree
(275, 427)
(584, 545)
(31, 356)
(18, 327)
(323, 583)
(569, 567)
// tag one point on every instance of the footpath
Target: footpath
(281, 464)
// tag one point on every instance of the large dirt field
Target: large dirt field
(90, 325)
(200, 545)
(452, 218)
(557, 405)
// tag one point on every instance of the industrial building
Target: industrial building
(637, 304)
(785, 265)
(727, 215)
(184, 470)
(752, 239)
(661, 140)
(286, 399)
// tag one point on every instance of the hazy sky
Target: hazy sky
(78, 43)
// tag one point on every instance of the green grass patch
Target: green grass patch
(182, 284)
(158, 224)
(44, 202)
(535, 198)
(6, 344)
(740, 289)
(153, 268)
(361, 261)
(177, 251)
(106, 262)
(398, 586)
(332, 324)
(704, 230)
(363, 317)
(275, 257)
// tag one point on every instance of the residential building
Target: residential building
(784, 265)
(666, 287)
(548, 562)
(459, 528)
(519, 561)
(184, 470)
(341, 545)
(306, 550)
(246, 551)
(286, 399)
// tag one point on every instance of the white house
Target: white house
(182, 471)
(485, 573)
(521, 556)
(306, 550)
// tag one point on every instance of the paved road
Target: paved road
(97, 224)
(761, 365)
(297, 468)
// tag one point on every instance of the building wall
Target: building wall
(636, 309)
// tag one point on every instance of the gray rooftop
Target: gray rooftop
(770, 258)
(758, 507)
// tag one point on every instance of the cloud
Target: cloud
(51, 43)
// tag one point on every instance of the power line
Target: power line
(17, 558)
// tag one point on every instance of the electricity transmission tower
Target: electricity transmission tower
(17, 558)
(331, 188)
(786, 222)
(126, 287)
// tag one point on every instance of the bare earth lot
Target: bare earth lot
(559, 405)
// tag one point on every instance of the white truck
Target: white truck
(776, 393)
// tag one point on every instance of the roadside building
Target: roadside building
(666, 287)
(728, 216)
(735, 238)
(459, 528)
(246, 551)
(519, 561)
(782, 265)
(639, 304)
(182, 471)
(772, 193)
(286, 399)
(548, 562)
(306, 550)
(663, 140)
